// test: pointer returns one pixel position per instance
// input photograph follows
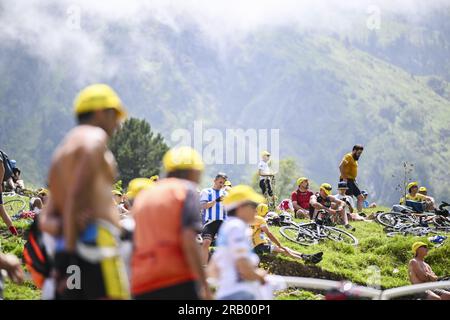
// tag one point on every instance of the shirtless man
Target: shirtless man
(81, 214)
(421, 272)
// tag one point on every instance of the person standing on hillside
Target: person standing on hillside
(213, 212)
(81, 214)
(166, 261)
(6, 173)
(349, 171)
(265, 174)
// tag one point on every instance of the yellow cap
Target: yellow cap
(116, 193)
(227, 183)
(182, 158)
(154, 178)
(98, 97)
(412, 184)
(422, 189)
(265, 153)
(300, 180)
(326, 187)
(43, 191)
(241, 194)
(137, 185)
(417, 245)
(262, 209)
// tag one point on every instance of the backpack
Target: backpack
(8, 166)
(37, 260)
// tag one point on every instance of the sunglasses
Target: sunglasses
(328, 188)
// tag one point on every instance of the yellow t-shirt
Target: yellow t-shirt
(350, 166)
(418, 197)
(258, 236)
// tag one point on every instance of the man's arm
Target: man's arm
(248, 272)
(48, 221)
(2, 174)
(266, 230)
(12, 266)
(340, 203)
(341, 169)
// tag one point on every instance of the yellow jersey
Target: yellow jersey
(350, 167)
(418, 197)
(258, 236)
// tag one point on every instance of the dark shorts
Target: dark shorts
(211, 229)
(184, 291)
(98, 277)
(353, 189)
(266, 185)
(263, 248)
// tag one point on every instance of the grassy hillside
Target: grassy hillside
(340, 262)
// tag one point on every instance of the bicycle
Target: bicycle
(14, 206)
(311, 233)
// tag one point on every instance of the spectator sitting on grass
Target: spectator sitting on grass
(421, 272)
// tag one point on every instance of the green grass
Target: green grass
(14, 245)
(375, 250)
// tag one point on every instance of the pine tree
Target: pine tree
(138, 150)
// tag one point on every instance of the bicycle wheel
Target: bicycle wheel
(14, 206)
(391, 219)
(339, 235)
(298, 235)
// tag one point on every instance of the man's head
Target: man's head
(265, 155)
(365, 194)
(183, 163)
(16, 174)
(117, 196)
(413, 187)
(357, 151)
(99, 105)
(423, 191)
(303, 183)
(219, 180)
(136, 186)
(241, 202)
(43, 195)
(419, 249)
(342, 188)
(325, 190)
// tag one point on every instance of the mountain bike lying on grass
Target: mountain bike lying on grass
(410, 222)
(321, 228)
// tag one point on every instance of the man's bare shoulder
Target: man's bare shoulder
(84, 138)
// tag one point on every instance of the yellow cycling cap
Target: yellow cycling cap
(227, 183)
(137, 185)
(422, 189)
(241, 194)
(300, 180)
(326, 187)
(116, 193)
(98, 97)
(182, 158)
(265, 153)
(154, 178)
(417, 245)
(412, 184)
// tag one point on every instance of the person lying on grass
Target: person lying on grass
(420, 272)
(261, 245)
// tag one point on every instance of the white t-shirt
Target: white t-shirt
(349, 200)
(234, 242)
(217, 211)
(264, 167)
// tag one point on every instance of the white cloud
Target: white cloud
(43, 27)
